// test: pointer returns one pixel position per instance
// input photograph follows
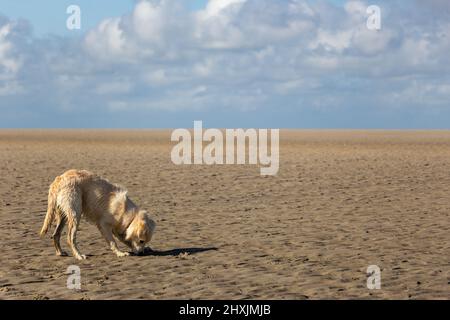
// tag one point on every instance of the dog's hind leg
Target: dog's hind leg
(60, 223)
(72, 238)
(72, 211)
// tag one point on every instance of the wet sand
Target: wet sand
(343, 200)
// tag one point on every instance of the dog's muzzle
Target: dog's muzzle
(138, 251)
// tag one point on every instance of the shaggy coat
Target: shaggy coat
(80, 192)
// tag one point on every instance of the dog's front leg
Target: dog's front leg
(106, 231)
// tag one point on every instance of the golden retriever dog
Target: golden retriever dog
(80, 192)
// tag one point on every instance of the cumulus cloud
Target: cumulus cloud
(235, 55)
(12, 35)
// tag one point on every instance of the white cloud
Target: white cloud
(10, 61)
(148, 20)
(216, 7)
(233, 55)
(7, 61)
(106, 40)
(114, 88)
(332, 41)
(356, 9)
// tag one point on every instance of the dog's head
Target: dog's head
(140, 232)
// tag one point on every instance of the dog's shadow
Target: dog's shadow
(175, 252)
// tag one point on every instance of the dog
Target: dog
(80, 192)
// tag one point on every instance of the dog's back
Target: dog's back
(94, 193)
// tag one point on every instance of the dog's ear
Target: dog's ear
(149, 221)
(144, 215)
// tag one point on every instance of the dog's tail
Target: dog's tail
(49, 217)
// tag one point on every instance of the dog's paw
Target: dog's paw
(62, 254)
(81, 257)
(122, 254)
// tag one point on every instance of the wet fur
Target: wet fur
(80, 192)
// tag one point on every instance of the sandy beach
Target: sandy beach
(342, 200)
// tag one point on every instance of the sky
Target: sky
(229, 63)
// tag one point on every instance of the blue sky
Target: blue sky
(230, 63)
(46, 17)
